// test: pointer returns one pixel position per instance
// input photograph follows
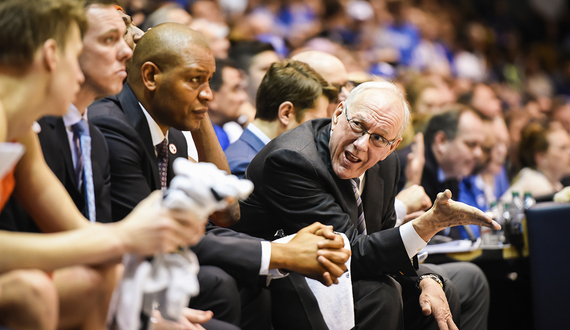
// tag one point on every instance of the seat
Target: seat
(548, 226)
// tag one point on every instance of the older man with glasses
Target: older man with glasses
(342, 172)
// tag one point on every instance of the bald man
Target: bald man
(331, 69)
(167, 91)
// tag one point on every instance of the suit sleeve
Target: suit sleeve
(126, 158)
(238, 254)
(297, 193)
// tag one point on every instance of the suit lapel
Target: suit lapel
(371, 200)
(137, 119)
(60, 133)
(342, 188)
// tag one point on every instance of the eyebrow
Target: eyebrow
(361, 119)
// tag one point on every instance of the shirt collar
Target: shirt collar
(257, 132)
(155, 131)
(73, 116)
(440, 175)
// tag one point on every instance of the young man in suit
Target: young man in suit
(308, 174)
(290, 94)
(40, 76)
(167, 90)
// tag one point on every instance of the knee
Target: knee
(31, 294)
(476, 277)
(222, 282)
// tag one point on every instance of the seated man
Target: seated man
(290, 94)
(40, 76)
(142, 127)
(308, 174)
(453, 145)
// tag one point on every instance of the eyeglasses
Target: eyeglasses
(349, 85)
(377, 140)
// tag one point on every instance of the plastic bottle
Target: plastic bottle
(506, 223)
(528, 200)
(517, 218)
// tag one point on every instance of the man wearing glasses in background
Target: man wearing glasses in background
(343, 172)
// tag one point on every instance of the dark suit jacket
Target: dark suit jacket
(241, 152)
(430, 180)
(134, 175)
(57, 153)
(295, 186)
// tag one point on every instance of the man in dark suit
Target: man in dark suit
(160, 98)
(290, 94)
(307, 174)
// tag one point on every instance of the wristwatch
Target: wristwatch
(435, 277)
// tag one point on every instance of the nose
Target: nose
(478, 152)
(80, 75)
(362, 142)
(206, 94)
(125, 52)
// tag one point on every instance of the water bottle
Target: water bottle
(491, 236)
(516, 226)
(506, 222)
(528, 200)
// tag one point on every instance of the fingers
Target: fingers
(336, 270)
(426, 201)
(442, 324)
(338, 257)
(443, 197)
(197, 316)
(313, 228)
(327, 232)
(426, 307)
(327, 280)
(452, 325)
(334, 244)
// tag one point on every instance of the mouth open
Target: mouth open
(351, 158)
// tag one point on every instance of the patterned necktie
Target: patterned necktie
(83, 167)
(162, 157)
(361, 226)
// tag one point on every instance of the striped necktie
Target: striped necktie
(83, 167)
(361, 225)
(162, 157)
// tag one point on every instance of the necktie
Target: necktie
(162, 157)
(361, 225)
(83, 168)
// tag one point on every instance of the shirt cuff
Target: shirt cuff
(272, 274)
(265, 257)
(412, 241)
(401, 212)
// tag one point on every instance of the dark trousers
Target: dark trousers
(380, 303)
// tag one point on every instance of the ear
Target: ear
(336, 114)
(439, 142)
(50, 54)
(151, 75)
(285, 111)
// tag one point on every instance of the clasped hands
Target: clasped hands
(315, 252)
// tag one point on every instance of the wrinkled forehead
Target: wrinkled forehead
(377, 102)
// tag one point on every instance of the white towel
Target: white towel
(335, 302)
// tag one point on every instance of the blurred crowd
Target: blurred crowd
(509, 61)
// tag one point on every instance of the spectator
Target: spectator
(544, 155)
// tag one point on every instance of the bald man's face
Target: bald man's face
(182, 92)
(352, 151)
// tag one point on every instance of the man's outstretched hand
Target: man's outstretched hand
(315, 252)
(448, 213)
